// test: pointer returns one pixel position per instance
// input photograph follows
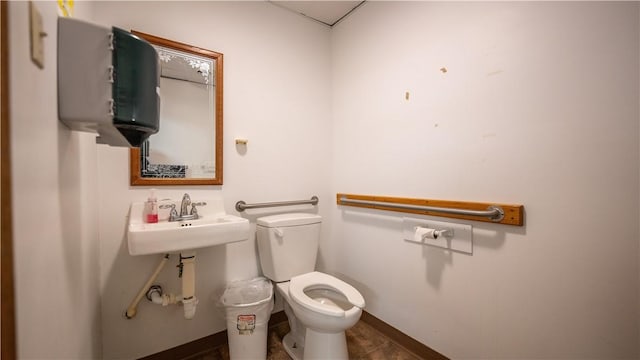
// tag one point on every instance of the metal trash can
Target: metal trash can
(248, 305)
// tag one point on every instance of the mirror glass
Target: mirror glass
(188, 148)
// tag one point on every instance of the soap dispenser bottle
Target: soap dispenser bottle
(151, 208)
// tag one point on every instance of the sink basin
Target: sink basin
(214, 227)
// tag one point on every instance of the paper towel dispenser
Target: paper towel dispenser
(108, 83)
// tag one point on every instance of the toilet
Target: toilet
(320, 307)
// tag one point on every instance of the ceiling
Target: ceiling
(326, 12)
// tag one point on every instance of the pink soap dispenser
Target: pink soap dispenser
(151, 208)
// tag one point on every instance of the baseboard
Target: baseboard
(410, 344)
(206, 343)
(212, 341)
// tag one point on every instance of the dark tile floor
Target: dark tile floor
(364, 342)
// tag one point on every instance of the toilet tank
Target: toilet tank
(288, 244)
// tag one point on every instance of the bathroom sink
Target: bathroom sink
(213, 227)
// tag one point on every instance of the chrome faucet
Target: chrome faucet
(185, 214)
(186, 201)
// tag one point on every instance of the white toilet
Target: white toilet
(319, 306)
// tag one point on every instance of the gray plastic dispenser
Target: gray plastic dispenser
(108, 83)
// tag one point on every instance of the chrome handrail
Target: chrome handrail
(242, 206)
(493, 212)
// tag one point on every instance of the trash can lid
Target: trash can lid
(247, 293)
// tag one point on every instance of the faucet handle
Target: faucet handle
(194, 210)
(173, 215)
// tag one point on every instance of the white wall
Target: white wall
(54, 206)
(539, 106)
(277, 95)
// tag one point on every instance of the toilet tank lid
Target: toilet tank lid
(293, 219)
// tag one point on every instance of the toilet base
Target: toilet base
(324, 346)
(294, 350)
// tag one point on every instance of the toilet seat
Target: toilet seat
(299, 284)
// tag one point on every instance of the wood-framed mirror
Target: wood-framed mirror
(188, 148)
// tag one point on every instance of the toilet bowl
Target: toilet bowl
(325, 303)
(324, 307)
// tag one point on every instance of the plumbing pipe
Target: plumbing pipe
(133, 307)
(171, 299)
(187, 262)
(157, 297)
(190, 308)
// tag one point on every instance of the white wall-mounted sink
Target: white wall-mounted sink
(214, 227)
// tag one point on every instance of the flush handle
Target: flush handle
(279, 232)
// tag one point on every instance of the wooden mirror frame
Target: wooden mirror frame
(134, 154)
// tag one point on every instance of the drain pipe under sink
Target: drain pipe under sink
(133, 307)
(155, 295)
(188, 274)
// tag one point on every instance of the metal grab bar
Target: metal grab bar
(242, 206)
(493, 212)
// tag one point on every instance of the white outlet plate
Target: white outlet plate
(462, 239)
(37, 36)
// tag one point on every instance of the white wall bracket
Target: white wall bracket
(458, 237)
